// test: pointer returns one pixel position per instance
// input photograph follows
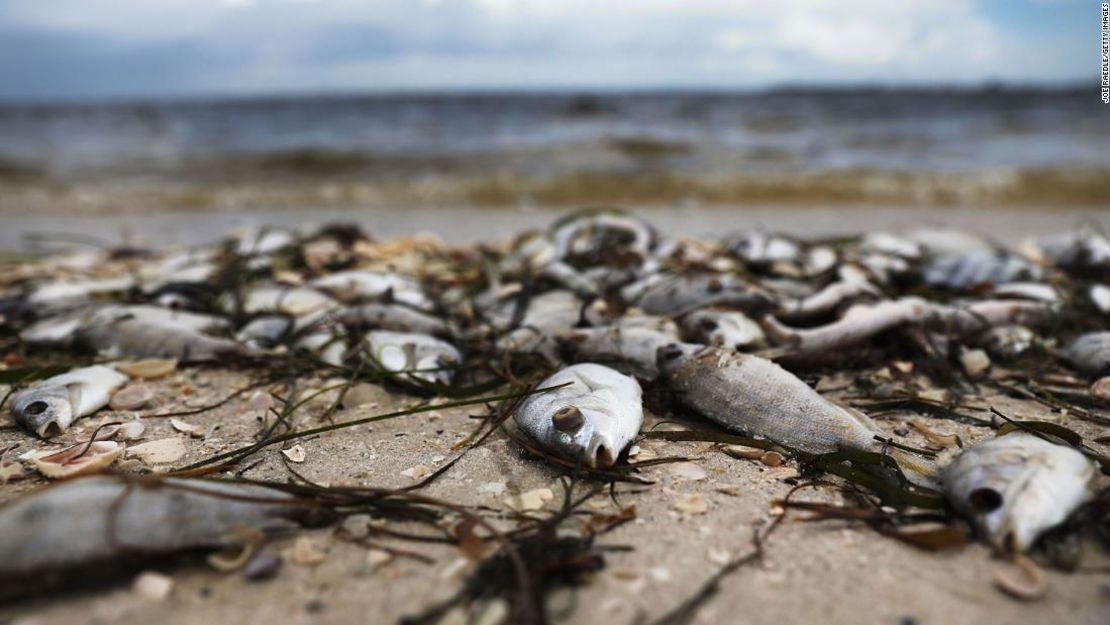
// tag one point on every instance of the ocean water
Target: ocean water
(942, 131)
(565, 148)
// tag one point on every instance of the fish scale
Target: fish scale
(758, 397)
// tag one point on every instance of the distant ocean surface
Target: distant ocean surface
(907, 146)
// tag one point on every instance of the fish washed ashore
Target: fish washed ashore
(595, 420)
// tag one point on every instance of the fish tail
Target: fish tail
(919, 471)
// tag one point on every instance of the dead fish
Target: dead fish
(157, 314)
(679, 294)
(396, 317)
(101, 520)
(858, 324)
(266, 332)
(547, 315)
(50, 407)
(1016, 486)
(361, 285)
(591, 420)
(406, 351)
(275, 299)
(128, 338)
(853, 283)
(1007, 342)
(966, 270)
(968, 319)
(890, 245)
(263, 241)
(629, 345)
(1099, 294)
(56, 293)
(758, 397)
(759, 247)
(1090, 354)
(723, 328)
(1085, 248)
(568, 277)
(602, 234)
(940, 241)
(329, 346)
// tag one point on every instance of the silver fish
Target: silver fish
(759, 247)
(629, 345)
(50, 407)
(405, 351)
(859, 323)
(591, 420)
(724, 328)
(394, 317)
(1016, 486)
(852, 284)
(1090, 354)
(362, 285)
(265, 332)
(756, 396)
(968, 269)
(129, 338)
(1007, 342)
(295, 301)
(95, 520)
(600, 233)
(677, 295)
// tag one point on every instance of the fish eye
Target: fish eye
(708, 325)
(984, 500)
(36, 407)
(568, 419)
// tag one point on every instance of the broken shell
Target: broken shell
(1101, 388)
(161, 451)
(232, 559)
(418, 472)
(185, 427)
(687, 471)
(131, 397)
(975, 361)
(691, 503)
(531, 500)
(1030, 586)
(153, 586)
(80, 459)
(377, 558)
(296, 453)
(741, 451)
(771, 458)
(10, 471)
(307, 552)
(147, 369)
(132, 430)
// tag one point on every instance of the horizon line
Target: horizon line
(585, 91)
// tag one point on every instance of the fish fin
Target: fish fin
(919, 471)
(861, 418)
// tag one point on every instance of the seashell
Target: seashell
(80, 459)
(148, 368)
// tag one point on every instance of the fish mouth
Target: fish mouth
(600, 455)
(50, 429)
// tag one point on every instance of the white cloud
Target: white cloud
(352, 44)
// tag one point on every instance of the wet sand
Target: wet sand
(464, 225)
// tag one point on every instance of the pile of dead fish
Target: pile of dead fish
(606, 306)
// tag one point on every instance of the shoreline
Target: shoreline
(468, 224)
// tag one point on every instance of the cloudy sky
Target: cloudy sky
(51, 49)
